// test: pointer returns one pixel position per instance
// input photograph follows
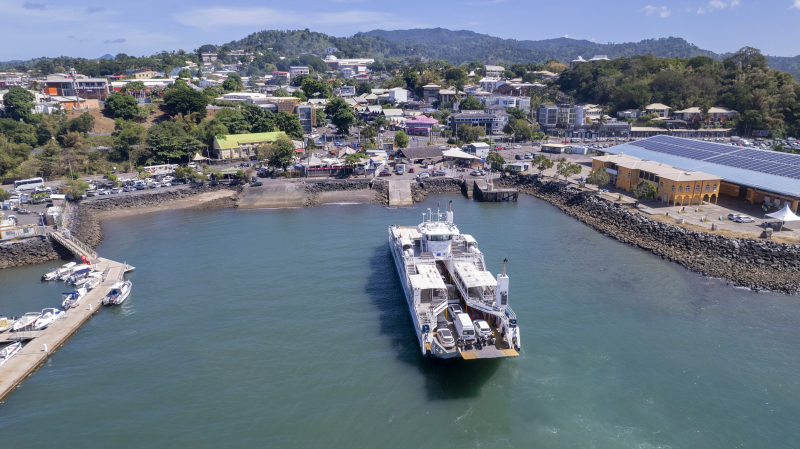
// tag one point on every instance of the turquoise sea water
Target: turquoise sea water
(287, 328)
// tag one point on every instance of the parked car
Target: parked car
(528, 156)
(744, 219)
(518, 156)
(385, 172)
(256, 183)
(129, 189)
(424, 175)
(516, 147)
(733, 216)
(411, 170)
(445, 337)
(103, 192)
(116, 190)
(475, 173)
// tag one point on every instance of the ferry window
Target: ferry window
(680, 189)
(438, 238)
(673, 188)
(707, 186)
(697, 188)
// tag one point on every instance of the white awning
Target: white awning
(784, 214)
(428, 277)
(458, 154)
(472, 277)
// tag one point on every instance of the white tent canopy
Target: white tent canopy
(197, 157)
(458, 154)
(784, 214)
(428, 277)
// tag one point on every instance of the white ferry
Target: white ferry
(458, 308)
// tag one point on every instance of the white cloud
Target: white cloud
(216, 17)
(663, 12)
(94, 9)
(31, 5)
(796, 4)
(115, 41)
(719, 4)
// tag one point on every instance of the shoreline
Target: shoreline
(744, 262)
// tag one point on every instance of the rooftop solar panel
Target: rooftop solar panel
(764, 161)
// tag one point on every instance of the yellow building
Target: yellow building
(673, 186)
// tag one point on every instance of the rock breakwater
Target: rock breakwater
(752, 263)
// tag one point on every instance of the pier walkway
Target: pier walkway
(43, 343)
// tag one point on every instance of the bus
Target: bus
(28, 184)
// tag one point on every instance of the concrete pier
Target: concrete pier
(487, 193)
(33, 354)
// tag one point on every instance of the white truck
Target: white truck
(400, 168)
(464, 327)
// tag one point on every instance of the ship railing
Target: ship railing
(491, 308)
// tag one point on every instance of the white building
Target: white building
(297, 71)
(489, 84)
(494, 71)
(398, 95)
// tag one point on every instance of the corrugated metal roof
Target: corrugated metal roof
(229, 141)
(764, 181)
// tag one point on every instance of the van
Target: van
(464, 327)
(400, 168)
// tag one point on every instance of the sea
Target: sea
(287, 328)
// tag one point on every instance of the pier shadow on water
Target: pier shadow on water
(444, 379)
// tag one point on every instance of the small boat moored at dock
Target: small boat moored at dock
(6, 323)
(118, 293)
(47, 317)
(27, 322)
(55, 273)
(9, 351)
(71, 299)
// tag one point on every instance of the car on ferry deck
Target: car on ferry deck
(445, 338)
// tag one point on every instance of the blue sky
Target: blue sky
(87, 28)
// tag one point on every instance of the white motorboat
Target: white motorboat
(118, 293)
(27, 322)
(80, 274)
(9, 351)
(65, 275)
(91, 281)
(71, 299)
(6, 323)
(47, 317)
(55, 273)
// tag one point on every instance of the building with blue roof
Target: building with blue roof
(755, 176)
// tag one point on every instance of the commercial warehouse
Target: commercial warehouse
(755, 176)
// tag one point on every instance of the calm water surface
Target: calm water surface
(287, 328)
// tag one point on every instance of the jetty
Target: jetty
(486, 192)
(45, 342)
(400, 193)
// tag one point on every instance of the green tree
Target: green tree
(542, 163)
(471, 104)
(169, 140)
(281, 153)
(281, 93)
(181, 99)
(517, 113)
(75, 187)
(644, 190)
(134, 86)
(128, 134)
(566, 168)
(233, 120)
(233, 83)
(19, 103)
(341, 115)
(289, 124)
(598, 177)
(469, 134)
(496, 160)
(400, 139)
(299, 94)
(207, 130)
(320, 116)
(122, 106)
(363, 88)
(519, 128)
(5, 196)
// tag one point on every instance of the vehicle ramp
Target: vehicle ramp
(400, 193)
(273, 195)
